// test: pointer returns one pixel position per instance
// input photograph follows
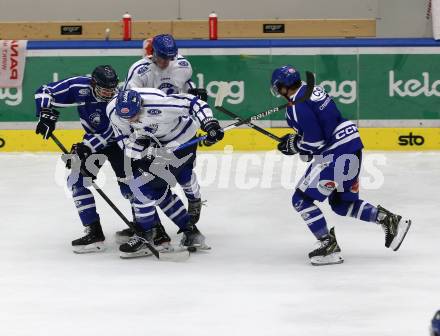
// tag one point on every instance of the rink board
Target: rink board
(243, 139)
(368, 80)
(388, 87)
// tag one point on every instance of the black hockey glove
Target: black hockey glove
(201, 93)
(288, 144)
(152, 153)
(151, 149)
(214, 132)
(81, 152)
(46, 124)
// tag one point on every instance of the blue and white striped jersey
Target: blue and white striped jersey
(171, 119)
(78, 91)
(176, 78)
(321, 128)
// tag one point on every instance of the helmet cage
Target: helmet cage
(275, 89)
(103, 93)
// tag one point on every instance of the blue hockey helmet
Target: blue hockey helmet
(286, 76)
(435, 324)
(128, 104)
(164, 46)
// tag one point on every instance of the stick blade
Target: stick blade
(175, 256)
(310, 81)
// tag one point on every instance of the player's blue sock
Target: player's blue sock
(362, 210)
(145, 214)
(358, 209)
(173, 207)
(310, 213)
(192, 188)
(85, 204)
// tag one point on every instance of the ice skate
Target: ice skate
(123, 236)
(394, 226)
(328, 252)
(137, 247)
(161, 239)
(193, 240)
(93, 241)
(194, 209)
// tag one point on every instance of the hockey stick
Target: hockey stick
(161, 256)
(255, 127)
(234, 125)
(251, 125)
(310, 81)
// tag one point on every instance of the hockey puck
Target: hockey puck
(192, 249)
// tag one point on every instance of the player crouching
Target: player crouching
(335, 146)
(150, 126)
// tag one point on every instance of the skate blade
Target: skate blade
(175, 255)
(91, 248)
(197, 248)
(331, 259)
(138, 254)
(121, 239)
(403, 228)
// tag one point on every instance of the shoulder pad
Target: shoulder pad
(76, 80)
(143, 69)
(183, 63)
(86, 79)
(85, 91)
(150, 91)
(318, 93)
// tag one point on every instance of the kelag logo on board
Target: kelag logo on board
(345, 91)
(234, 89)
(413, 87)
(11, 96)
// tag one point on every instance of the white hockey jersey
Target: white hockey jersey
(170, 119)
(176, 78)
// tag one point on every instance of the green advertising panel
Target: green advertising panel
(364, 86)
(18, 105)
(399, 86)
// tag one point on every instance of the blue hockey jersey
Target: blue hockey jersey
(321, 128)
(78, 91)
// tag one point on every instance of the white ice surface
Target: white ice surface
(257, 280)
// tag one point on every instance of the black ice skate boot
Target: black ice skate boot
(93, 241)
(328, 252)
(194, 209)
(394, 226)
(136, 247)
(123, 236)
(192, 239)
(161, 238)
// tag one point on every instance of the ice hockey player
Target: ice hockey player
(335, 146)
(165, 69)
(150, 126)
(90, 95)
